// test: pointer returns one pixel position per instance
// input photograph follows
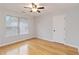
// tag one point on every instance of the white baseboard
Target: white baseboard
(67, 44)
(62, 43)
(1, 45)
(71, 45)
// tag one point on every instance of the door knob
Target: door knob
(54, 30)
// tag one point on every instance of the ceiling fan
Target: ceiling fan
(34, 7)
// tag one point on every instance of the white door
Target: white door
(58, 28)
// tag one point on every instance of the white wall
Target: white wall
(44, 27)
(6, 40)
(72, 28)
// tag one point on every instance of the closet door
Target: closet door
(58, 28)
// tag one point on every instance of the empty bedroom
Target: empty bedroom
(39, 28)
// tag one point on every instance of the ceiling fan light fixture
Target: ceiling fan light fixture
(34, 9)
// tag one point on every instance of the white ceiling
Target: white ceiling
(49, 7)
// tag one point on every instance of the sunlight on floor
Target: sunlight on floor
(22, 50)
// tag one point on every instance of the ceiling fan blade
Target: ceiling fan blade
(40, 7)
(27, 7)
(31, 11)
(33, 4)
(38, 11)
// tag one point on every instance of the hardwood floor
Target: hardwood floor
(37, 47)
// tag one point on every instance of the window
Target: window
(11, 25)
(16, 26)
(23, 26)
